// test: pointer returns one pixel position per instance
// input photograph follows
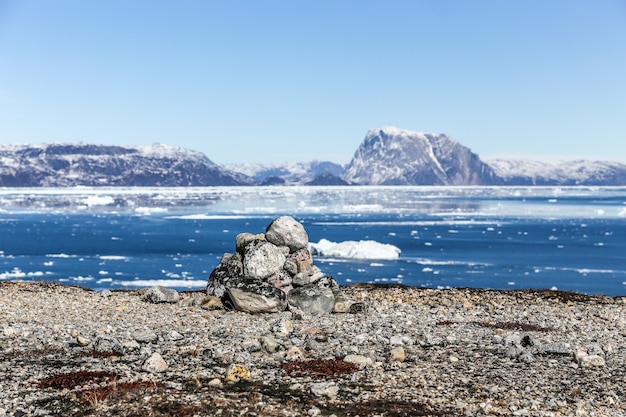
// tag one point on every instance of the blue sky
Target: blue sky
(269, 81)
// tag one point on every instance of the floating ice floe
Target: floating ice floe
(98, 200)
(363, 249)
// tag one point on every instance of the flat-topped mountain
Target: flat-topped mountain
(61, 165)
(392, 156)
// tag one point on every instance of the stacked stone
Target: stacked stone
(274, 271)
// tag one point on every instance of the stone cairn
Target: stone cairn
(274, 271)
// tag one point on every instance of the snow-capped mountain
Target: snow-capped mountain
(291, 173)
(580, 172)
(392, 156)
(60, 165)
(387, 156)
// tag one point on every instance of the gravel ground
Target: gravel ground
(458, 352)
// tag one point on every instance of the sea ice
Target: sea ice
(363, 249)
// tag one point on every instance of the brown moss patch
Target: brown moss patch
(71, 380)
(505, 325)
(390, 408)
(319, 367)
(96, 395)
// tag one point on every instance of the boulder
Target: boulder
(230, 266)
(255, 296)
(312, 299)
(262, 259)
(286, 231)
(159, 294)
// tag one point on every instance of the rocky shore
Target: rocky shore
(408, 352)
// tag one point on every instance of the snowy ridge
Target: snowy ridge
(387, 156)
(580, 172)
(287, 173)
(62, 165)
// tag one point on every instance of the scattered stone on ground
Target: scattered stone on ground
(457, 352)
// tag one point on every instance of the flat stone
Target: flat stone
(591, 361)
(255, 296)
(358, 360)
(145, 336)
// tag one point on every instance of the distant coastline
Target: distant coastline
(387, 156)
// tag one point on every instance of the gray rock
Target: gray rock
(342, 303)
(108, 344)
(359, 360)
(512, 340)
(302, 260)
(255, 296)
(244, 239)
(286, 231)
(596, 349)
(175, 336)
(145, 336)
(281, 279)
(159, 294)
(358, 307)
(312, 299)
(325, 389)
(312, 275)
(327, 282)
(191, 300)
(291, 266)
(556, 348)
(591, 361)
(514, 351)
(269, 344)
(230, 266)
(262, 259)
(155, 363)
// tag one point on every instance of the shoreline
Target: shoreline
(73, 351)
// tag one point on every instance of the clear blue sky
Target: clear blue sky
(268, 81)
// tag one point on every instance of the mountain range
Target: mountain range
(387, 156)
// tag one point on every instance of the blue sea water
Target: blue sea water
(570, 238)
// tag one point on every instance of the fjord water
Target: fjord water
(570, 238)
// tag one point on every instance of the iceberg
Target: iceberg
(363, 249)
